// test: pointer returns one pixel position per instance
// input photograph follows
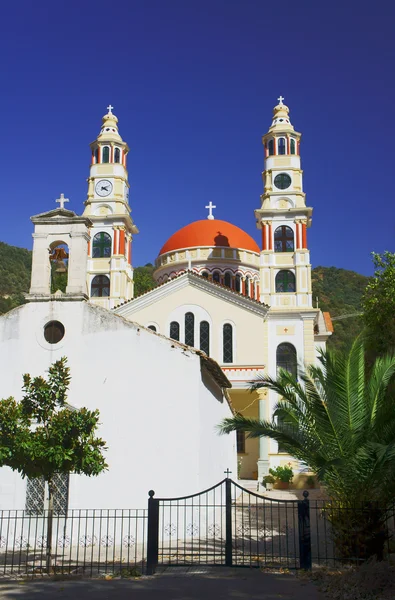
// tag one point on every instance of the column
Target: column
(263, 460)
(304, 236)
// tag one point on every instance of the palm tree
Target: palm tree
(341, 422)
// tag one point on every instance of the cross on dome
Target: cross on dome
(109, 108)
(62, 200)
(210, 207)
(280, 100)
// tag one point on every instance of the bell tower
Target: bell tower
(109, 269)
(284, 218)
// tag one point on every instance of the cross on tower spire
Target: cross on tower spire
(210, 207)
(62, 200)
(109, 108)
(280, 100)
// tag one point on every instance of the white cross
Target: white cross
(109, 108)
(62, 200)
(210, 210)
(280, 100)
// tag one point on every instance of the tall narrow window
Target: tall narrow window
(96, 155)
(227, 343)
(106, 154)
(281, 145)
(205, 337)
(286, 358)
(247, 286)
(117, 155)
(216, 276)
(270, 147)
(241, 442)
(175, 331)
(283, 239)
(228, 280)
(293, 146)
(101, 246)
(100, 287)
(190, 329)
(285, 281)
(238, 283)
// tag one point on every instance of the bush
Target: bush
(284, 474)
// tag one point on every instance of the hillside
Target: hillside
(338, 291)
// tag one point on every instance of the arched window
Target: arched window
(286, 358)
(293, 146)
(205, 274)
(270, 147)
(281, 145)
(247, 286)
(227, 343)
(96, 155)
(190, 329)
(216, 276)
(285, 281)
(175, 331)
(101, 246)
(106, 154)
(205, 337)
(152, 327)
(238, 283)
(100, 286)
(283, 239)
(228, 280)
(117, 155)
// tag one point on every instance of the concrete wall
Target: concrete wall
(157, 410)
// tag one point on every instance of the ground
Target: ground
(171, 584)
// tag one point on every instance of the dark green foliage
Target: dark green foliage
(15, 269)
(143, 279)
(340, 293)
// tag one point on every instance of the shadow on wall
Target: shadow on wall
(210, 384)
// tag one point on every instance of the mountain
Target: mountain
(338, 291)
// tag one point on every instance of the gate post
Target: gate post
(152, 533)
(304, 532)
(228, 522)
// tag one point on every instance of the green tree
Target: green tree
(339, 421)
(379, 305)
(42, 435)
(143, 279)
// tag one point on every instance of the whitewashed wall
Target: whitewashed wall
(158, 410)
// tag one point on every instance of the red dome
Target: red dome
(210, 233)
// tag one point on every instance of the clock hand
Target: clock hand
(104, 188)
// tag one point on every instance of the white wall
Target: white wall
(157, 412)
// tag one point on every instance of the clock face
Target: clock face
(103, 187)
(282, 181)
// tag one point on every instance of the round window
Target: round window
(282, 181)
(54, 332)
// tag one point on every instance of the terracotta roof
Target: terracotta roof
(210, 233)
(328, 321)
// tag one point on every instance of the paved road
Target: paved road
(172, 584)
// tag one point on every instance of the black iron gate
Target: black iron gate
(228, 525)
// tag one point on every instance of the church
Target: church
(180, 357)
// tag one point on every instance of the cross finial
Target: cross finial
(210, 207)
(62, 200)
(227, 473)
(109, 108)
(280, 100)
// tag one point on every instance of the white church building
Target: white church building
(176, 360)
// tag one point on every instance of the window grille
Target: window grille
(35, 494)
(285, 281)
(238, 283)
(205, 337)
(281, 145)
(228, 280)
(241, 442)
(227, 343)
(117, 155)
(106, 154)
(293, 146)
(101, 246)
(175, 331)
(190, 329)
(286, 358)
(283, 239)
(271, 147)
(100, 287)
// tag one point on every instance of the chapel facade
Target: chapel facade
(249, 307)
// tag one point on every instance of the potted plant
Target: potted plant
(268, 481)
(283, 477)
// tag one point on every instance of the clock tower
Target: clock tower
(109, 269)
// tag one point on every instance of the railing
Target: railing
(92, 542)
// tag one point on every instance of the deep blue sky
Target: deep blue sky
(193, 83)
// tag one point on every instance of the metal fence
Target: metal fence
(91, 542)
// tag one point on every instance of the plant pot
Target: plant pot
(282, 485)
(268, 486)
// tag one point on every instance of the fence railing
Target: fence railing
(92, 542)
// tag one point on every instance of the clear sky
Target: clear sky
(193, 83)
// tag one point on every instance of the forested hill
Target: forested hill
(338, 291)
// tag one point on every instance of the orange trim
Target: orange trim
(328, 321)
(304, 235)
(257, 292)
(89, 248)
(122, 242)
(130, 252)
(270, 237)
(112, 154)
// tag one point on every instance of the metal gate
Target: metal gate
(228, 525)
